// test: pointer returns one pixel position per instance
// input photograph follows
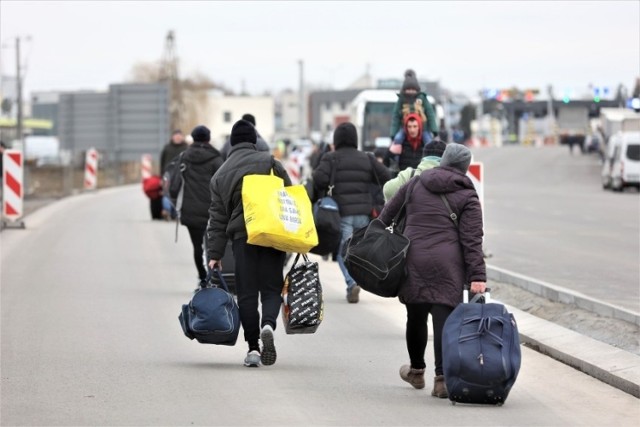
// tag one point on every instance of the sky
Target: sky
(467, 46)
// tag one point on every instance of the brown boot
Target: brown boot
(413, 376)
(439, 387)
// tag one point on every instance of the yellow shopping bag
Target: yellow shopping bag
(277, 216)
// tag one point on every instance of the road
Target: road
(547, 217)
(90, 296)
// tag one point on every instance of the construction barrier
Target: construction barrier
(146, 166)
(91, 169)
(12, 185)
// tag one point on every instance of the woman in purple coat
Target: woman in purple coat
(442, 257)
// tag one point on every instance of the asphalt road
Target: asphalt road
(90, 295)
(547, 216)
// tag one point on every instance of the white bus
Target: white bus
(371, 111)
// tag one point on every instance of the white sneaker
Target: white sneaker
(268, 354)
(253, 359)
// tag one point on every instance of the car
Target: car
(621, 167)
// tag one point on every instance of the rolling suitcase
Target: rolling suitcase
(480, 352)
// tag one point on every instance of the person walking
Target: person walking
(355, 173)
(411, 146)
(170, 151)
(454, 255)
(201, 161)
(431, 155)
(258, 269)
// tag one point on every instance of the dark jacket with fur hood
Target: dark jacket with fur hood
(441, 258)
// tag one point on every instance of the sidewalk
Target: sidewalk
(609, 364)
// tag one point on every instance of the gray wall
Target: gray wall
(122, 124)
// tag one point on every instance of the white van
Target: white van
(621, 168)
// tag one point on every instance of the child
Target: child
(411, 100)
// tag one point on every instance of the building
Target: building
(327, 109)
(223, 111)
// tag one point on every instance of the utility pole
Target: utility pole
(19, 100)
(301, 127)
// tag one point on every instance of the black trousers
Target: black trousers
(197, 240)
(417, 333)
(258, 274)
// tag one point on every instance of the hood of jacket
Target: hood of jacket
(200, 152)
(417, 141)
(444, 179)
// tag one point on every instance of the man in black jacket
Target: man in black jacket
(201, 160)
(258, 269)
(261, 144)
(355, 173)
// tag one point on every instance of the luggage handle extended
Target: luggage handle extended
(476, 297)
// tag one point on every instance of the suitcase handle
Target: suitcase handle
(218, 273)
(476, 297)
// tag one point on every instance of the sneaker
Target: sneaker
(353, 294)
(268, 355)
(253, 359)
(201, 285)
(413, 376)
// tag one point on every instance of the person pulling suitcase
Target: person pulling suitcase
(453, 249)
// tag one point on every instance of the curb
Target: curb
(560, 294)
(611, 365)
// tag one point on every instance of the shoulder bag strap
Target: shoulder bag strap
(181, 166)
(407, 196)
(332, 177)
(452, 215)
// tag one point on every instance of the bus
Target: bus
(371, 111)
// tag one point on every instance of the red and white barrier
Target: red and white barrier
(12, 184)
(146, 166)
(476, 173)
(91, 169)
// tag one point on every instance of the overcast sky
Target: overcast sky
(465, 45)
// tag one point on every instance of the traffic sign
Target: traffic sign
(12, 184)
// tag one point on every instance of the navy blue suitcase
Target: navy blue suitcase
(481, 353)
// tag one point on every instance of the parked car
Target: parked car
(621, 167)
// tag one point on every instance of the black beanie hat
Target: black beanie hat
(434, 148)
(345, 135)
(249, 117)
(201, 134)
(410, 81)
(242, 131)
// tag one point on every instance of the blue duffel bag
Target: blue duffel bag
(480, 353)
(212, 316)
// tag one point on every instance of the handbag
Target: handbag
(276, 216)
(375, 255)
(212, 316)
(326, 217)
(302, 302)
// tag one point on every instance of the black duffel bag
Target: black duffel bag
(375, 255)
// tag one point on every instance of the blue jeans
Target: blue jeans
(348, 224)
(167, 206)
(399, 137)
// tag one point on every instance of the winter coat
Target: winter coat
(201, 162)
(170, 152)
(392, 186)
(226, 213)
(355, 173)
(401, 108)
(441, 257)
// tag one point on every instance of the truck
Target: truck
(573, 125)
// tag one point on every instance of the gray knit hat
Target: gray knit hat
(456, 156)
